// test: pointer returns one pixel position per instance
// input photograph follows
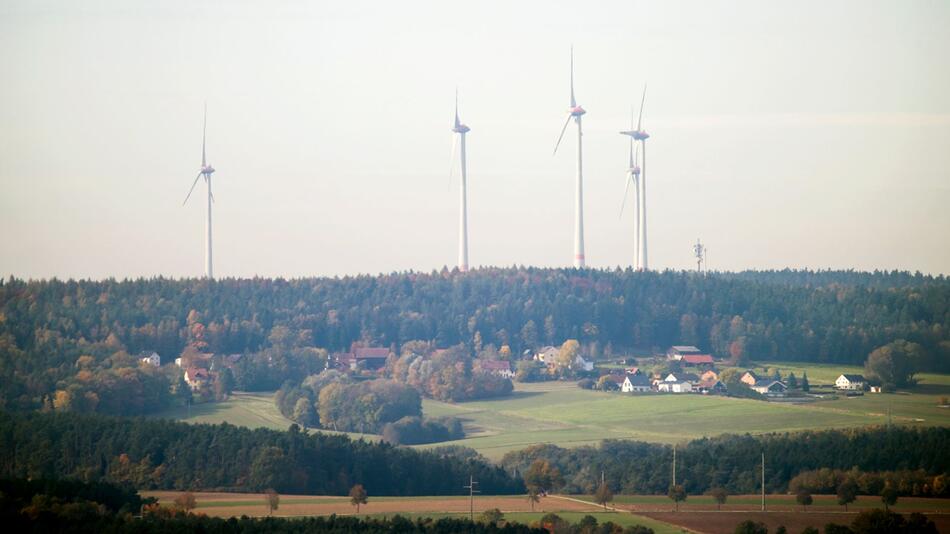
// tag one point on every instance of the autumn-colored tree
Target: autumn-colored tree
(678, 494)
(186, 501)
(603, 495)
(568, 353)
(492, 516)
(543, 476)
(719, 495)
(358, 496)
(271, 499)
(533, 497)
(847, 493)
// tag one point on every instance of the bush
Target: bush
(417, 430)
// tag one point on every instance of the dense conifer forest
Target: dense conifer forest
(873, 455)
(159, 454)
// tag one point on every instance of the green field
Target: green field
(563, 414)
(253, 410)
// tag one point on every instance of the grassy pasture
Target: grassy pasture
(563, 414)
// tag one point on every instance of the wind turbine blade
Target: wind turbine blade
(573, 102)
(190, 191)
(204, 132)
(625, 189)
(642, 100)
(564, 129)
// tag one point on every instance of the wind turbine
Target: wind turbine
(576, 112)
(461, 130)
(640, 135)
(633, 177)
(206, 171)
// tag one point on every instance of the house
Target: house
(636, 384)
(697, 359)
(681, 377)
(876, 389)
(547, 355)
(715, 387)
(372, 358)
(749, 378)
(708, 376)
(674, 387)
(770, 388)
(197, 377)
(580, 364)
(851, 382)
(150, 357)
(676, 352)
(500, 368)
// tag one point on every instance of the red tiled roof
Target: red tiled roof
(698, 358)
(371, 352)
(495, 365)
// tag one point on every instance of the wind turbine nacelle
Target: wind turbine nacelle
(640, 135)
(577, 111)
(207, 169)
(461, 128)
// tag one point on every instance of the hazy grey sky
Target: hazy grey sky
(799, 134)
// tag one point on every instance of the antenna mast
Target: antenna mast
(699, 251)
(763, 481)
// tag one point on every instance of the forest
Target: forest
(161, 454)
(902, 455)
(67, 345)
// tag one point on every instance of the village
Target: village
(683, 369)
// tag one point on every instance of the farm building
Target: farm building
(682, 377)
(697, 359)
(850, 382)
(500, 368)
(636, 384)
(676, 352)
(674, 387)
(580, 364)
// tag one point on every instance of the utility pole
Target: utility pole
(674, 465)
(763, 481)
(471, 496)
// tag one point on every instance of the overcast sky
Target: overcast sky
(793, 134)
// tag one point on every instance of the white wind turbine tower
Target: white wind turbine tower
(576, 112)
(461, 130)
(641, 196)
(206, 171)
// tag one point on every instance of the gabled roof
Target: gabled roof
(710, 384)
(638, 380)
(682, 377)
(495, 365)
(752, 374)
(371, 352)
(768, 383)
(853, 378)
(684, 349)
(698, 358)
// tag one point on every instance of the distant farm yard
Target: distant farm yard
(565, 415)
